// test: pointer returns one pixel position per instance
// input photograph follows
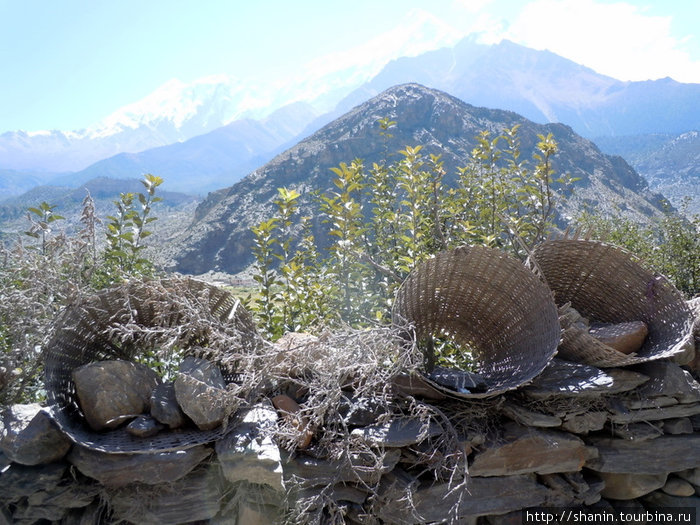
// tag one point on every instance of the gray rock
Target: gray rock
(248, 452)
(110, 391)
(622, 417)
(669, 380)
(432, 502)
(144, 426)
(116, 470)
(585, 423)
(201, 393)
(523, 450)
(659, 456)
(564, 378)
(691, 475)
(194, 498)
(68, 494)
(30, 437)
(415, 385)
(635, 403)
(19, 481)
(358, 412)
(678, 487)
(530, 418)
(305, 471)
(675, 426)
(164, 406)
(400, 432)
(661, 500)
(638, 431)
(630, 486)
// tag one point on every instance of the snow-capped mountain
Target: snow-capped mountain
(177, 111)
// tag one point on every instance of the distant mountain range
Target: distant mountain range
(671, 163)
(197, 153)
(220, 238)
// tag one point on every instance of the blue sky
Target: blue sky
(67, 64)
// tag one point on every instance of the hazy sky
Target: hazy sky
(65, 64)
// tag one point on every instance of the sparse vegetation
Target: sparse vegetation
(48, 269)
(384, 221)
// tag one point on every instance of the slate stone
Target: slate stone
(564, 378)
(585, 423)
(70, 493)
(636, 403)
(638, 431)
(653, 414)
(630, 486)
(691, 475)
(669, 380)
(432, 502)
(400, 432)
(30, 437)
(667, 503)
(201, 393)
(675, 426)
(195, 497)
(164, 406)
(659, 456)
(116, 470)
(627, 337)
(362, 411)
(414, 385)
(523, 450)
(110, 391)
(248, 452)
(303, 470)
(144, 426)
(529, 418)
(18, 481)
(678, 487)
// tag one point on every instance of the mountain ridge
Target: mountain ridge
(219, 237)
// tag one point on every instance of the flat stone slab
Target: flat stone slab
(363, 467)
(669, 380)
(630, 486)
(585, 423)
(564, 378)
(29, 436)
(530, 418)
(653, 414)
(196, 497)
(480, 496)
(248, 452)
(659, 456)
(400, 432)
(530, 450)
(117, 470)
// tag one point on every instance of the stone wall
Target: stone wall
(576, 436)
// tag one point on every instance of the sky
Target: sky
(66, 64)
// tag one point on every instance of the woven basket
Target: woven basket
(487, 301)
(607, 284)
(90, 331)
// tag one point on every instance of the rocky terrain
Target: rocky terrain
(219, 237)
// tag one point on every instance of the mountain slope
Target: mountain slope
(210, 161)
(220, 238)
(545, 87)
(671, 163)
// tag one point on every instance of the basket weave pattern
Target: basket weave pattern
(488, 301)
(89, 331)
(606, 284)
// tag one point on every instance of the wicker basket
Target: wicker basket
(485, 300)
(607, 284)
(92, 331)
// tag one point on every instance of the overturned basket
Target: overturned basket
(487, 301)
(606, 284)
(120, 323)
